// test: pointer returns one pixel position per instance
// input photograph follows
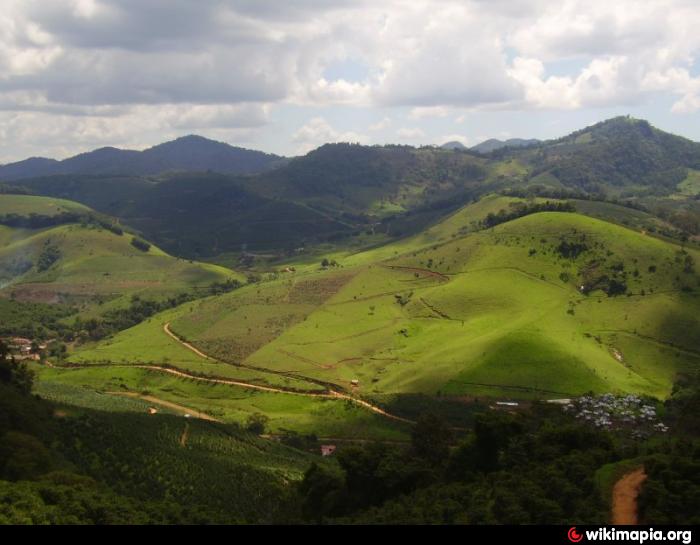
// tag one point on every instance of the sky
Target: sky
(287, 76)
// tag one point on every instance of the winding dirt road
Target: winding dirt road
(166, 328)
(624, 497)
(330, 394)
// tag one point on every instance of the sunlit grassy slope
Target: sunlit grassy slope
(88, 262)
(23, 205)
(498, 312)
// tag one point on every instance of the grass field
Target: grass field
(87, 265)
(23, 205)
(549, 305)
(497, 313)
(691, 185)
(323, 417)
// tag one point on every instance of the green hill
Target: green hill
(548, 305)
(23, 205)
(88, 263)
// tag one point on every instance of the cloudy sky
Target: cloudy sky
(287, 76)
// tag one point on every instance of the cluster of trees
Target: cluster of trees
(42, 221)
(140, 309)
(522, 209)
(571, 250)
(536, 467)
(34, 320)
(48, 256)
(564, 193)
(102, 468)
(620, 152)
(11, 189)
(511, 469)
(140, 244)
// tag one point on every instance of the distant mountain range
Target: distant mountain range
(492, 144)
(338, 190)
(189, 153)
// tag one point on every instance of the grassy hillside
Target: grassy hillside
(23, 205)
(88, 264)
(548, 305)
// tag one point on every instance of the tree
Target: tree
(431, 438)
(140, 244)
(22, 456)
(322, 491)
(256, 423)
(15, 373)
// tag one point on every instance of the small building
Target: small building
(327, 450)
(152, 410)
(507, 403)
(355, 382)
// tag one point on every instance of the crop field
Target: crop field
(235, 325)
(84, 397)
(219, 466)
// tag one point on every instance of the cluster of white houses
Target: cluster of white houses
(24, 349)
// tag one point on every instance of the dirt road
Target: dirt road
(166, 328)
(170, 405)
(624, 497)
(330, 394)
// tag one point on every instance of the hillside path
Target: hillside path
(185, 435)
(624, 497)
(166, 328)
(331, 394)
(169, 404)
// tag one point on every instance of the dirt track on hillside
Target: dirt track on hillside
(624, 497)
(331, 394)
(166, 328)
(427, 272)
(169, 404)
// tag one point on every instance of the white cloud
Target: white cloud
(410, 133)
(318, 132)
(385, 123)
(423, 112)
(222, 65)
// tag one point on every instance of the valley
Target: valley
(354, 296)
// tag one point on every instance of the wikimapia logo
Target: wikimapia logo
(636, 536)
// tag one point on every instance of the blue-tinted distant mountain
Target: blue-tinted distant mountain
(493, 144)
(34, 166)
(189, 153)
